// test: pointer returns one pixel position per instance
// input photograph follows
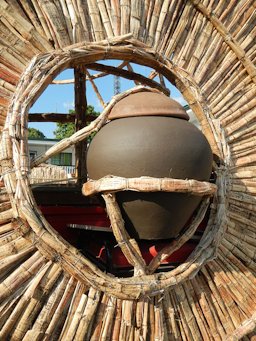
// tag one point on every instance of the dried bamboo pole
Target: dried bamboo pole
(226, 293)
(48, 309)
(9, 304)
(242, 245)
(148, 184)
(69, 329)
(246, 102)
(128, 245)
(42, 20)
(24, 27)
(83, 330)
(135, 17)
(175, 10)
(183, 43)
(187, 313)
(236, 23)
(94, 13)
(236, 83)
(34, 305)
(108, 319)
(106, 19)
(32, 15)
(117, 321)
(177, 243)
(11, 237)
(219, 303)
(183, 326)
(58, 317)
(71, 29)
(13, 247)
(238, 295)
(13, 261)
(208, 312)
(15, 42)
(127, 321)
(232, 43)
(251, 264)
(223, 76)
(248, 326)
(233, 95)
(242, 277)
(171, 318)
(189, 46)
(6, 228)
(197, 312)
(21, 306)
(76, 318)
(179, 29)
(103, 104)
(6, 216)
(52, 12)
(98, 319)
(160, 22)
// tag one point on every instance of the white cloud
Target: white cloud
(69, 105)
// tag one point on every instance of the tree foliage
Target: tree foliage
(34, 133)
(65, 130)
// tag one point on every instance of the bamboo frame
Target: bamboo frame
(211, 46)
(176, 276)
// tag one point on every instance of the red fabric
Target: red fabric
(60, 216)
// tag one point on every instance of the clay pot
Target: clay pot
(149, 135)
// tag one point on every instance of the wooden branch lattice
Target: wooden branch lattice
(130, 248)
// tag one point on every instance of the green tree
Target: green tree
(34, 133)
(64, 130)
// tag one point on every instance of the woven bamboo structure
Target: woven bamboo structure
(48, 289)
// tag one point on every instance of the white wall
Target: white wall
(41, 146)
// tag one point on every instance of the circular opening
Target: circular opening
(27, 92)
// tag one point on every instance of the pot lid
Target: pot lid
(147, 103)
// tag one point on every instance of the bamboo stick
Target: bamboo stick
(35, 303)
(128, 246)
(233, 44)
(99, 318)
(59, 316)
(148, 184)
(176, 244)
(187, 312)
(48, 310)
(87, 318)
(21, 306)
(69, 329)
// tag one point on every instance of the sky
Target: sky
(60, 98)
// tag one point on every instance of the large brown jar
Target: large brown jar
(149, 135)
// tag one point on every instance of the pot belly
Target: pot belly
(157, 147)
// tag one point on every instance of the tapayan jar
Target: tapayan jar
(149, 135)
